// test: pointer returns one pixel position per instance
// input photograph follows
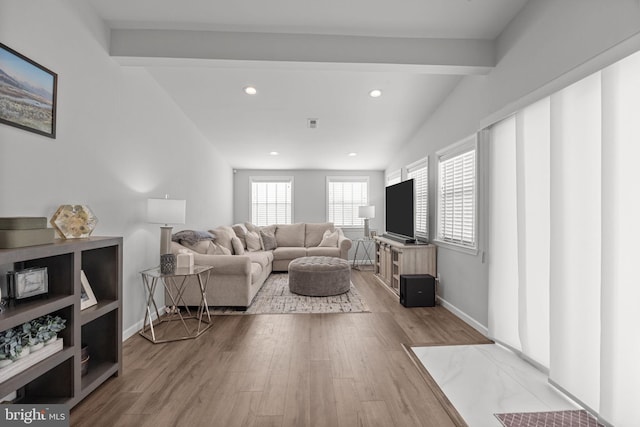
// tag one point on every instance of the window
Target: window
(457, 194)
(271, 201)
(344, 195)
(419, 172)
(394, 177)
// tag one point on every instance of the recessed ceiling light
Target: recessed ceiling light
(352, 154)
(250, 90)
(375, 93)
(273, 153)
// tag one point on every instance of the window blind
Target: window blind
(271, 201)
(419, 172)
(394, 177)
(344, 196)
(457, 197)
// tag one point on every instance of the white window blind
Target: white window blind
(518, 234)
(271, 201)
(394, 177)
(344, 196)
(419, 172)
(570, 293)
(457, 195)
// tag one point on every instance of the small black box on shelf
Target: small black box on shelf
(417, 290)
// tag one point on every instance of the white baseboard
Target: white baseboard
(136, 327)
(465, 317)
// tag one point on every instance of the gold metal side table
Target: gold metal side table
(193, 323)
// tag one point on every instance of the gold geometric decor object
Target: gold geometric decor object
(74, 221)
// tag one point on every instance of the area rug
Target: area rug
(578, 418)
(275, 298)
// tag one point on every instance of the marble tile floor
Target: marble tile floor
(481, 380)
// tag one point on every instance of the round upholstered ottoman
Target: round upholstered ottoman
(319, 276)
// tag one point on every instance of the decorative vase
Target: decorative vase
(5, 362)
(51, 340)
(167, 263)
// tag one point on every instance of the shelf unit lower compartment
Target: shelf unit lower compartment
(103, 347)
(43, 372)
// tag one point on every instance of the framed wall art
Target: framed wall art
(27, 93)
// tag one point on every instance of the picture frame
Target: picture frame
(29, 283)
(87, 297)
(28, 93)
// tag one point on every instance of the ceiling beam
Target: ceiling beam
(443, 56)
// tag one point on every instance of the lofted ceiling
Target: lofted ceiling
(307, 59)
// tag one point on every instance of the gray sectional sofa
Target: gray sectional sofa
(241, 266)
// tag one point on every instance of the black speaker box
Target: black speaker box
(417, 290)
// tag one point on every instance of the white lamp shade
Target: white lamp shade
(366, 211)
(166, 211)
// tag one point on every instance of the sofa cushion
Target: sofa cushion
(314, 232)
(330, 239)
(324, 251)
(268, 237)
(260, 257)
(217, 249)
(282, 252)
(253, 241)
(224, 234)
(200, 247)
(290, 234)
(238, 247)
(207, 247)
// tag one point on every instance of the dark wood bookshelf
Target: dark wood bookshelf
(57, 379)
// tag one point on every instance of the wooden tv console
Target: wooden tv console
(394, 258)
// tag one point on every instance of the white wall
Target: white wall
(548, 43)
(120, 140)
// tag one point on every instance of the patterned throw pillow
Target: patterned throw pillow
(268, 237)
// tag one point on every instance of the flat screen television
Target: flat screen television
(399, 211)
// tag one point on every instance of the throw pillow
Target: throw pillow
(253, 241)
(251, 227)
(268, 236)
(240, 231)
(238, 247)
(329, 239)
(191, 236)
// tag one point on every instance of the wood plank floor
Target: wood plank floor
(285, 370)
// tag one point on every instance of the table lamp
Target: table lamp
(366, 212)
(166, 211)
